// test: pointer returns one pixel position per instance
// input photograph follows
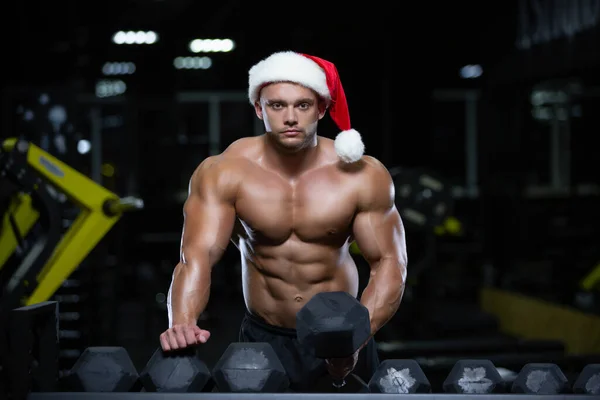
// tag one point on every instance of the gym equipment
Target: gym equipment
(526, 316)
(176, 371)
(36, 256)
(29, 202)
(474, 377)
(32, 349)
(45, 182)
(540, 378)
(588, 381)
(335, 325)
(423, 197)
(399, 377)
(103, 369)
(587, 295)
(591, 280)
(293, 396)
(250, 368)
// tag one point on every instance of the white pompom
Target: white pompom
(349, 146)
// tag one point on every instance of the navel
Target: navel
(298, 299)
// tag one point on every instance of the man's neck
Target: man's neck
(290, 163)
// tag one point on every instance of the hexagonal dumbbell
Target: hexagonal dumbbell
(103, 369)
(474, 377)
(334, 325)
(540, 379)
(399, 377)
(250, 368)
(588, 381)
(176, 371)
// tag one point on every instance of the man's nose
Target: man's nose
(290, 116)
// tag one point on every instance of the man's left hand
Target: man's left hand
(339, 368)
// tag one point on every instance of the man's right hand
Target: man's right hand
(181, 336)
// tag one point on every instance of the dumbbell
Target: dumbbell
(102, 369)
(335, 325)
(398, 376)
(474, 377)
(588, 381)
(177, 371)
(540, 379)
(250, 368)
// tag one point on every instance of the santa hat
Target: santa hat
(316, 74)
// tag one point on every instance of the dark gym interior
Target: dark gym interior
(121, 100)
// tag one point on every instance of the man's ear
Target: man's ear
(322, 108)
(258, 109)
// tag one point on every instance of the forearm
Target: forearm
(189, 293)
(383, 293)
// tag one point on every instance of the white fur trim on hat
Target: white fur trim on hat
(287, 66)
(349, 146)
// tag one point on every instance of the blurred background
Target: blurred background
(484, 112)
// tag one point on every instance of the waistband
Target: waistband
(262, 324)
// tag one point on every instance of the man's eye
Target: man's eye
(304, 106)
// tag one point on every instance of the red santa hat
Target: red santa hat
(316, 74)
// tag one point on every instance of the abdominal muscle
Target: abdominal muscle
(279, 280)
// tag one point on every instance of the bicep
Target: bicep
(379, 234)
(209, 217)
(378, 228)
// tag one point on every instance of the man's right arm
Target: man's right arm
(209, 217)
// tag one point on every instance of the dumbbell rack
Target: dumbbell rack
(80, 302)
(71, 332)
(294, 396)
(70, 297)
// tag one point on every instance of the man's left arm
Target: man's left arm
(379, 234)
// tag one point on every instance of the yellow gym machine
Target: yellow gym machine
(42, 183)
(591, 280)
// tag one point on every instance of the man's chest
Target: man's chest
(313, 207)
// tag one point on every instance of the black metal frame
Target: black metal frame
(32, 362)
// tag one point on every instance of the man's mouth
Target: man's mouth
(291, 132)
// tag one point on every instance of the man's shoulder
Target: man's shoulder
(371, 180)
(367, 169)
(373, 165)
(235, 157)
(220, 174)
(367, 166)
(246, 147)
(220, 171)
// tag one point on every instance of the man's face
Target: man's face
(290, 113)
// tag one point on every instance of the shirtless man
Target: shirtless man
(292, 202)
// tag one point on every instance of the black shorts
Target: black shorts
(301, 365)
